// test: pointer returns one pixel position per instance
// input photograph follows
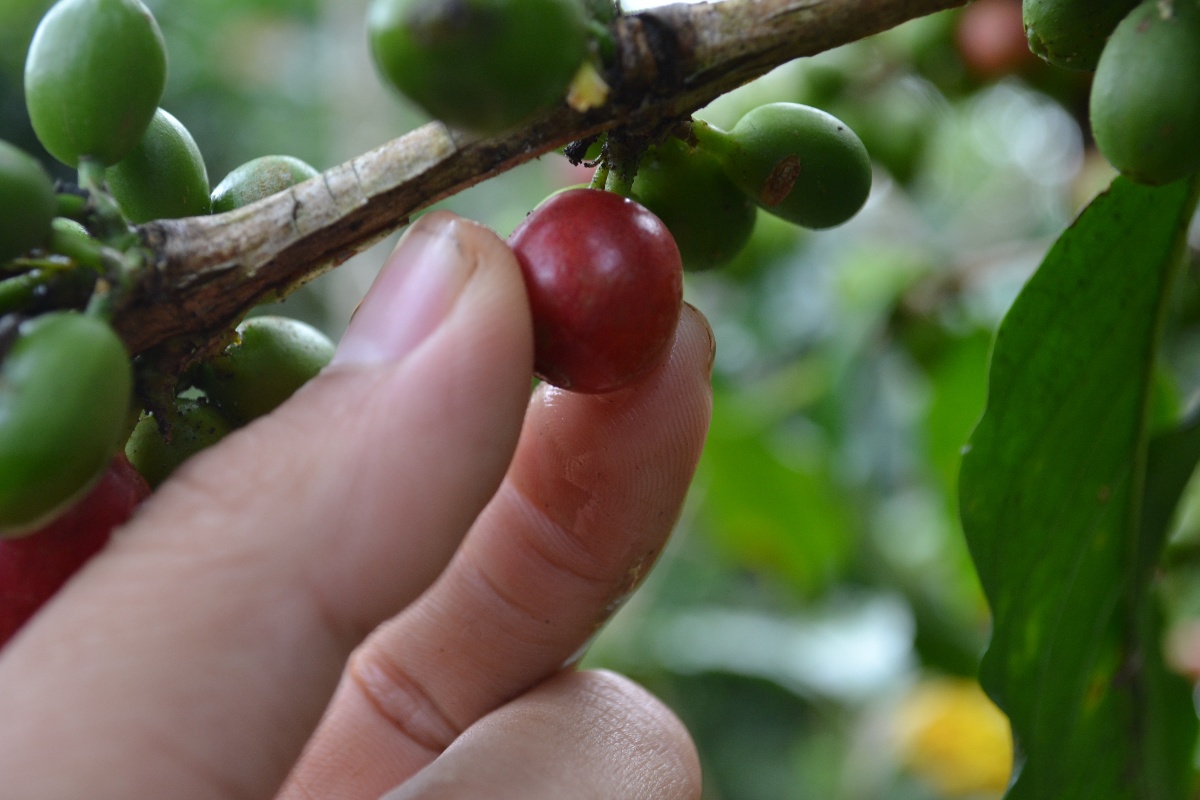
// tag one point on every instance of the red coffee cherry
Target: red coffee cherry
(605, 285)
(36, 566)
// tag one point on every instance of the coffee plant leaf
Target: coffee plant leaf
(1060, 518)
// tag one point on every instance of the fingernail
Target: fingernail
(412, 295)
(708, 332)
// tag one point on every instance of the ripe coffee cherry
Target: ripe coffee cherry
(195, 424)
(164, 177)
(32, 569)
(479, 64)
(1071, 33)
(709, 218)
(1145, 105)
(257, 179)
(27, 204)
(605, 286)
(65, 388)
(93, 78)
(795, 161)
(272, 358)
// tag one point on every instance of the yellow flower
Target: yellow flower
(954, 738)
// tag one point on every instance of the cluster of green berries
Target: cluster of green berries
(94, 76)
(794, 161)
(77, 454)
(1145, 96)
(76, 459)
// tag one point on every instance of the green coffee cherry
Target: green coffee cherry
(1071, 33)
(273, 357)
(27, 204)
(709, 218)
(795, 161)
(163, 177)
(485, 65)
(195, 424)
(93, 78)
(69, 238)
(1145, 104)
(65, 388)
(18, 291)
(257, 179)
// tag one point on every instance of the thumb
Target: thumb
(213, 630)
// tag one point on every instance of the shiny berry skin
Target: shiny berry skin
(94, 74)
(605, 284)
(709, 217)
(33, 568)
(163, 177)
(195, 424)
(65, 389)
(271, 359)
(27, 205)
(1143, 107)
(484, 65)
(1072, 33)
(795, 161)
(257, 179)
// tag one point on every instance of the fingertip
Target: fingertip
(696, 335)
(418, 286)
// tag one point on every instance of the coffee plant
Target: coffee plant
(132, 338)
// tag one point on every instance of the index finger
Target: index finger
(594, 489)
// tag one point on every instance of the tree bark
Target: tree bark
(208, 272)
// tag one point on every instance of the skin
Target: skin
(429, 558)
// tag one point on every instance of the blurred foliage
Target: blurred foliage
(817, 621)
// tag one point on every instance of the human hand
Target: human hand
(195, 656)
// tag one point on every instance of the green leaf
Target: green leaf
(786, 518)
(1052, 492)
